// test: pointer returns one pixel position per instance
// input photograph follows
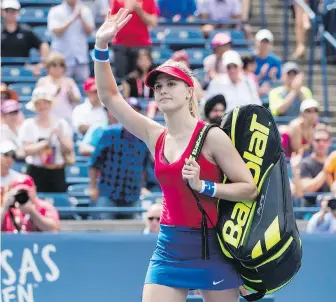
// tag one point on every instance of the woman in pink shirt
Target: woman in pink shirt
(180, 262)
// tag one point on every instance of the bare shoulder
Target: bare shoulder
(154, 131)
(217, 142)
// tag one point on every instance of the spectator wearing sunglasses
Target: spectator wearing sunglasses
(234, 85)
(67, 93)
(152, 219)
(18, 39)
(7, 151)
(286, 100)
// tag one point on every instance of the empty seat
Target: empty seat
(34, 15)
(179, 36)
(14, 74)
(161, 54)
(43, 33)
(79, 191)
(197, 55)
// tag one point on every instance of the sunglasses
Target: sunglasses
(292, 72)
(14, 112)
(9, 154)
(57, 65)
(11, 10)
(323, 140)
(313, 110)
(231, 66)
(152, 218)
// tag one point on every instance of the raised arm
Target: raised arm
(142, 127)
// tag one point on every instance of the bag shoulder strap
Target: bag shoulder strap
(199, 142)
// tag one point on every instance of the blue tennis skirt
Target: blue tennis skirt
(177, 261)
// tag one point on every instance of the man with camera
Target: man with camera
(324, 221)
(23, 211)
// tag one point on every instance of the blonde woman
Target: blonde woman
(67, 93)
(177, 263)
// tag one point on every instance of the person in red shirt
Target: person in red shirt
(134, 35)
(35, 215)
(180, 260)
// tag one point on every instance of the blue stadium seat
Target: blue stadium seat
(23, 89)
(39, 2)
(79, 191)
(15, 74)
(200, 74)
(77, 174)
(161, 54)
(158, 35)
(34, 15)
(184, 37)
(237, 36)
(197, 55)
(13, 61)
(19, 166)
(43, 33)
(58, 199)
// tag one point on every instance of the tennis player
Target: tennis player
(177, 264)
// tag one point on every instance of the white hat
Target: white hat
(308, 104)
(232, 57)
(7, 146)
(14, 4)
(40, 93)
(264, 34)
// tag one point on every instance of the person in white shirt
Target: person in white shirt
(152, 219)
(234, 85)
(47, 142)
(91, 112)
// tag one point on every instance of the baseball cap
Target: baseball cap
(22, 182)
(9, 106)
(290, 66)
(14, 4)
(308, 104)
(220, 39)
(264, 34)
(173, 71)
(90, 84)
(7, 146)
(133, 102)
(232, 57)
(180, 55)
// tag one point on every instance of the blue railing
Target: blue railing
(325, 37)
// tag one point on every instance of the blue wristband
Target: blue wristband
(101, 55)
(208, 188)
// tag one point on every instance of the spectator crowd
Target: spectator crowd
(68, 121)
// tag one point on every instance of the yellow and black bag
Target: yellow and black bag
(260, 237)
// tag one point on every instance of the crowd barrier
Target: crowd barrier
(87, 267)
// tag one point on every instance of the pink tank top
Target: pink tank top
(179, 205)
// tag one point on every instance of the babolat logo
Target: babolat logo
(199, 139)
(234, 228)
(257, 148)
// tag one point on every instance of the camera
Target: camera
(21, 197)
(332, 203)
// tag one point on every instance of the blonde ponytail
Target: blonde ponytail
(193, 106)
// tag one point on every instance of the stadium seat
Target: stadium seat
(161, 54)
(43, 33)
(58, 199)
(237, 36)
(200, 74)
(13, 61)
(158, 35)
(79, 191)
(34, 15)
(19, 166)
(77, 174)
(15, 74)
(197, 55)
(178, 37)
(39, 2)
(23, 89)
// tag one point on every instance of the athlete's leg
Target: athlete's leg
(161, 293)
(229, 295)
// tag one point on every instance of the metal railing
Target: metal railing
(317, 28)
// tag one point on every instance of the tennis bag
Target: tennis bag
(260, 237)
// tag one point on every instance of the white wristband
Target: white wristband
(203, 187)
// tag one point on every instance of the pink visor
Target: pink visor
(169, 70)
